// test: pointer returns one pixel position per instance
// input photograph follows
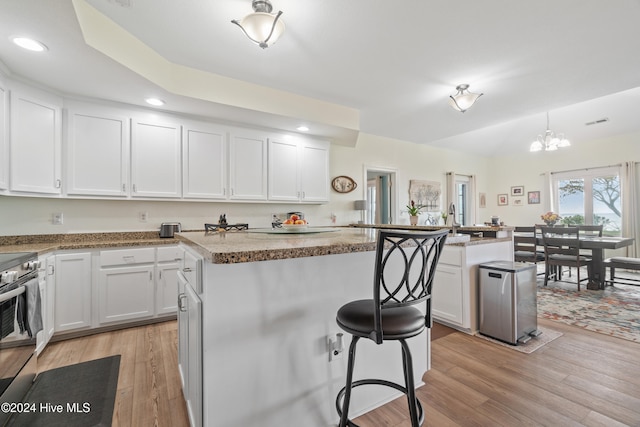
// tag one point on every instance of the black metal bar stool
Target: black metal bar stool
(404, 270)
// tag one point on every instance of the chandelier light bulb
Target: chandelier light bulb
(550, 141)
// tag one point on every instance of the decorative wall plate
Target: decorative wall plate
(343, 184)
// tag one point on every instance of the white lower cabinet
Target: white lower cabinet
(455, 286)
(126, 285)
(190, 348)
(72, 291)
(169, 262)
(46, 281)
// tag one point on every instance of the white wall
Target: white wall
(30, 215)
(527, 170)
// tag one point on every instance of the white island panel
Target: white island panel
(265, 326)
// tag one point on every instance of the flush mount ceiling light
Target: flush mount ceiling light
(463, 100)
(550, 141)
(29, 44)
(303, 128)
(261, 26)
(155, 102)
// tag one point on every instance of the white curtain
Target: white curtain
(630, 199)
(473, 206)
(547, 194)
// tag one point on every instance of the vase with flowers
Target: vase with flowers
(414, 211)
(550, 218)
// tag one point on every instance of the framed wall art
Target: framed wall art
(517, 201)
(517, 190)
(426, 193)
(533, 197)
(503, 199)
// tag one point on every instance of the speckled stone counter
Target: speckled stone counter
(239, 247)
(43, 243)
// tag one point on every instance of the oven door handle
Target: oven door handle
(12, 293)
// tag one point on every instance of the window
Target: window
(462, 200)
(590, 196)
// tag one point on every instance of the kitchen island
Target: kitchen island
(268, 304)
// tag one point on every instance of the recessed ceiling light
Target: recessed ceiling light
(155, 102)
(303, 128)
(30, 44)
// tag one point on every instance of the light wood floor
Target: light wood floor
(149, 391)
(581, 378)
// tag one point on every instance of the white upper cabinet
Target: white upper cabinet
(298, 170)
(247, 165)
(155, 159)
(204, 159)
(4, 139)
(97, 153)
(35, 145)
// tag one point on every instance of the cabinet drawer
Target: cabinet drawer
(169, 254)
(127, 256)
(451, 256)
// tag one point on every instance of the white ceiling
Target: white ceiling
(394, 62)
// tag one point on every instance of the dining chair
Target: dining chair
(525, 245)
(404, 270)
(562, 249)
(590, 230)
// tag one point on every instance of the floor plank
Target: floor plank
(580, 379)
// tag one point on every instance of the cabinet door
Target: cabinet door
(284, 170)
(247, 166)
(314, 172)
(193, 397)
(155, 160)
(35, 145)
(73, 291)
(4, 139)
(97, 154)
(190, 348)
(204, 163)
(126, 293)
(167, 288)
(447, 301)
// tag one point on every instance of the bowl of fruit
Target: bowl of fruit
(294, 221)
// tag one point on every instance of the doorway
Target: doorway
(381, 196)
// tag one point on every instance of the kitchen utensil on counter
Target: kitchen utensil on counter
(168, 229)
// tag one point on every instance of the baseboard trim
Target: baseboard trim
(62, 336)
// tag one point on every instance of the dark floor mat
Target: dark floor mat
(79, 395)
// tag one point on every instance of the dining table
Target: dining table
(597, 245)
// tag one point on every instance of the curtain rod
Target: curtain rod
(587, 169)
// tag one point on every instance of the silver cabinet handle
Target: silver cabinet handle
(187, 270)
(181, 307)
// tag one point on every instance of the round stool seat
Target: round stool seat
(357, 318)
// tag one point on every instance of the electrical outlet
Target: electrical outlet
(57, 218)
(143, 216)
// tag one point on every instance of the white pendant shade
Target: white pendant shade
(262, 27)
(463, 99)
(550, 141)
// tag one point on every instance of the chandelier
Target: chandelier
(261, 26)
(550, 141)
(463, 100)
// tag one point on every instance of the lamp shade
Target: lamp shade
(360, 205)
(258, 27)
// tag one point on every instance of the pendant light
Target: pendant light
(463, 100)
(262, 27)
(550, 141)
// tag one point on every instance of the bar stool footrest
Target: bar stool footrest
(374, 381)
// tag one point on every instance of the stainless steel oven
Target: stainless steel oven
(18, 363)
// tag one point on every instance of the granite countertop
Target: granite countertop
(43, 243)
(238, 247)
(436, 227)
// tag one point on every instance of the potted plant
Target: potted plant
(414, 211)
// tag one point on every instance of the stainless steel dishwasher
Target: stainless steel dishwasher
(508, 305)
